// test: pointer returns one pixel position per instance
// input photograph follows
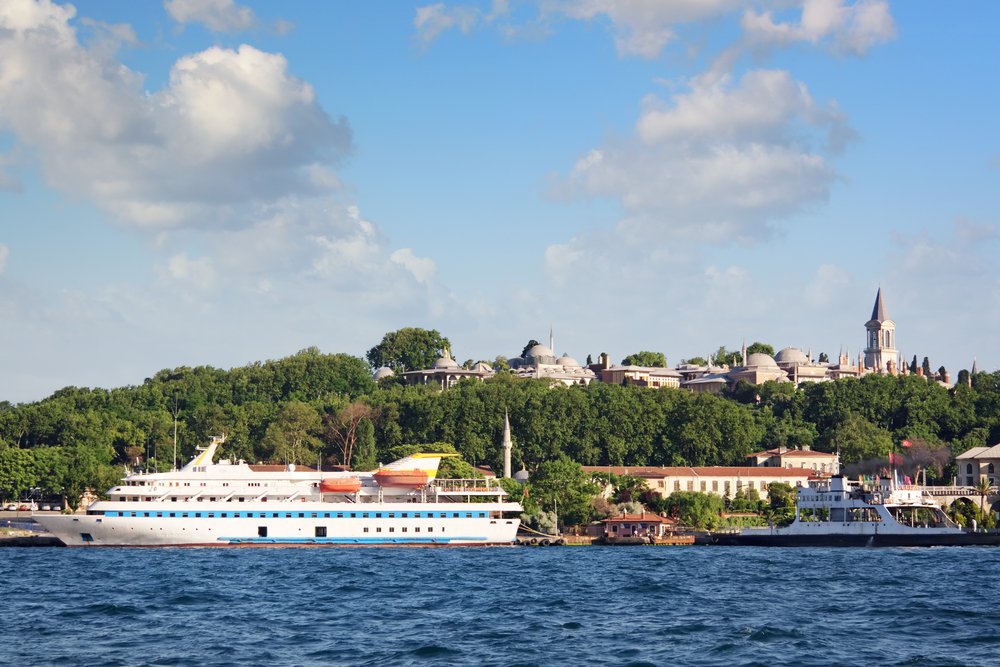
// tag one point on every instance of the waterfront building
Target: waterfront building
(783, 457)
(978, 463)
(645, 524)
(725, 481)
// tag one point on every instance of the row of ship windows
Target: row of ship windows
(300, 515)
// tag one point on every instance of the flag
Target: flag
(906, 443)
(891, 459)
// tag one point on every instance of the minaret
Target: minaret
(881, 337)
(507, 445)
(743, 352)
(973, 371)
(552, 341)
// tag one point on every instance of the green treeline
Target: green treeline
(314, 407)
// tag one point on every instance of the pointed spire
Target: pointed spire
(507, 444)
(974, 369)
(878, 311)
(743, 353)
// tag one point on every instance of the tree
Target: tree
(365, 456)
(926, 366)
(728, 357)
(562, 483)
(644, 358)
(695, 509)
(500, 364)
(913, 365)
(292, 436)
(342, 429)
(942, 373)
(782, 498)
(857, 439)
(760, 347)
(17, 471)
(983, 488)
(696, 361)
(408, 349)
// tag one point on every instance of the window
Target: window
(320, 531)
(261, 531)
(365, 529)
(704, 485)
(989, 469)
(677, 485)
(715, 485)
(968, 469)
(690, 485)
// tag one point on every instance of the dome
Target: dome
(539, 351)
(521, 476)
(791, 355)
(482, 367)
(445, 362)
(384, 372)
(760, 360)
(567, 360)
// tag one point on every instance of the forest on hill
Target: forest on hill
(314, 408)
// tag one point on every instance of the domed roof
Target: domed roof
(759, 359)
(791, 355)
(521, 476)
(384, 372)
(567, 360)
(539, 351)
(482, 367)
(445, 362)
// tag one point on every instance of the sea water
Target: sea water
(500, 606)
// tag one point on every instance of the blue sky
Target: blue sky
(212, 182)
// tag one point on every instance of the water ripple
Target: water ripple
(499, 607)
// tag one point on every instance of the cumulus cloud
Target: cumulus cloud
(852, 28)
(643, 27)
(216, 15)
(232, 128)
(432, 20)
(423, 269)
(721, 162)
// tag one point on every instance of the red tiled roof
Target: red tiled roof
(704, 471)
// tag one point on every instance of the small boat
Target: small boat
(841, 513)
(340, 485)
(412, 479)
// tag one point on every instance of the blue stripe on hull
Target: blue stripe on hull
(349, 540)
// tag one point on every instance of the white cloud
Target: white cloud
(720, 163)
(423, 269)
(216, 15)
(233, 129)
(643, 27)
(4, 254)
(829, 284)
(432, 20)
(198, 273)
(852, 28)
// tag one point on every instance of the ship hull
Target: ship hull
(305, 526)
(857, 540)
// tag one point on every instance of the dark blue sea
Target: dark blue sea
(500, 606)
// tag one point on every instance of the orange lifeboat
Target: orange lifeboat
(339, 485)
(406, 478)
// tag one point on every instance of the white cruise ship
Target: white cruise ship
(233, 503)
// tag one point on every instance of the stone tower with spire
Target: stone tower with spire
(881, 338)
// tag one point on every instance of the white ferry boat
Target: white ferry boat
(233, 503)
(838, 512)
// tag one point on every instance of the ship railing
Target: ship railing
(466, 485)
